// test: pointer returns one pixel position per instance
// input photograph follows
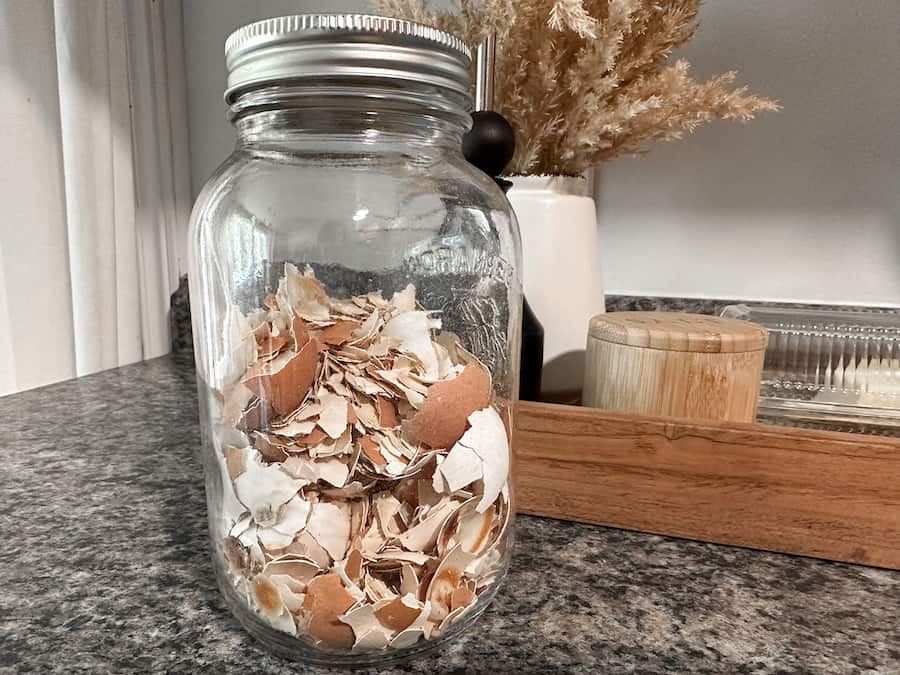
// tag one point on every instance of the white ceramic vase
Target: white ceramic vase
(561, 253)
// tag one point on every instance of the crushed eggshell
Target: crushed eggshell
(301, 570)
(487, 437)
(474, 527)
(329, 525)
(291, 593)
(387, 413)
(399, 613)
(442, 420)
(370, 633)
(462, 596)
(333, 471)
(291, 519)
(268, 596)
(423, 535)
(413, 330)
(409, 581)
(333, 418)
(448, 576)
(364, 468)
(285, 381)
(306, 546)
(462, 467)
(263, 488)
(339, 332)
(239, 349)
(326, 600)
(410, 635)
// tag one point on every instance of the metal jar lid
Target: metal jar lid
(344, 46)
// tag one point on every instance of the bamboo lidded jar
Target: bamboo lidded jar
(674, 364)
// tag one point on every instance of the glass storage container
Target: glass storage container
(356, 299)
(835, 369)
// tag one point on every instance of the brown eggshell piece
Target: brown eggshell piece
(397, 616)
(371, 450)
(256, 415)
(262, 332)
(444, 583)
(442, 421)
(314, 437)
(268, 449)
(353, 567)
(461, 597)
(236, 397)
(267, 596)
(235, 554)
(327, 599)
(387, 413)
(339, 333)
(235, 461)
(298, 330)
(286, 389)
(270, 345)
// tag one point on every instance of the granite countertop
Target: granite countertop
(105, 568)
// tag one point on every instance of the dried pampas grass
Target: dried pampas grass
(584, 81)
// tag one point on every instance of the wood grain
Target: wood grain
(678, 332)
(695, 385)
(815, 493)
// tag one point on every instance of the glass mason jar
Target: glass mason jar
(356, 298)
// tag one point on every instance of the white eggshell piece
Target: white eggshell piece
(330, 527)
(293, 516)
(333, 418)
(333, 471)
(413, 329)
(487, 437)
(263, 488)
(421, 537)
(241, 525)
(238, 350)
(232, 507)
(409, 582)
(272, 539)
(405, 300)
(414, 557)
(296, 428)
(462, 467)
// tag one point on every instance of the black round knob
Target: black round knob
(490, 143)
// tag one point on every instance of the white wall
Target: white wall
(206, 25)
(803, 204)
(799, 205)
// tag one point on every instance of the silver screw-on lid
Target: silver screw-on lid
(344, 46)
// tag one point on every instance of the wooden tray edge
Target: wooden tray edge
(816, 493)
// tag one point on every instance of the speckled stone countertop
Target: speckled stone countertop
(104, 568)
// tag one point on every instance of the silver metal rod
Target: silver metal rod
(484, 73)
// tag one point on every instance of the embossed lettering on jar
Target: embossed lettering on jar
(356, 300)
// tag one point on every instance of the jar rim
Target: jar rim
(354, 47)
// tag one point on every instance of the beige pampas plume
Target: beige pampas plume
(571, 15)
(585, 81)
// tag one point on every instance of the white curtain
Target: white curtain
(94, 184)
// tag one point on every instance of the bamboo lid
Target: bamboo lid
(678, 332)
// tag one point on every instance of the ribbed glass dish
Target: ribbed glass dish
(834, 369)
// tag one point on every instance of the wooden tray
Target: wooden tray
(816, 493)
